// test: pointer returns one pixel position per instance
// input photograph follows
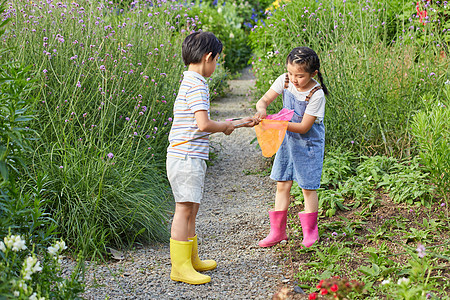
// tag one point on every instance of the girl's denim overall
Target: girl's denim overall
(300, 156)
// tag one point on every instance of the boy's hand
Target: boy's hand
(251, 122)
(229, 127)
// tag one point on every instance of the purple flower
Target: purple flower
(45, 71)
(78, 84)
(421, 250)
(102, 67)
(334, 234)
(61, 167)
(110, 155)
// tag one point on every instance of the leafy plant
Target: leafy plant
(338, 288)
(431, 131)
(22, 275)
(30, 274)
(106, 86)
(224, 20)
(359, 43)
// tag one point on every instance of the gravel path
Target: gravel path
(232, 218)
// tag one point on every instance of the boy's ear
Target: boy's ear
(208, 56)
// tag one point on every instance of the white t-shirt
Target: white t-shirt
(316, 105)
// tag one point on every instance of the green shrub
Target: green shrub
(431, 131)
(27, 271)
(375, 76)
(107, 81)
(224, 21)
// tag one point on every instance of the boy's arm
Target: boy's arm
(204, 123)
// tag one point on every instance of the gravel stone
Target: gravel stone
(232, 219)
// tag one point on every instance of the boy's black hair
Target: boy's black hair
(198, 44)
(309, 60)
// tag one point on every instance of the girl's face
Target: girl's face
(302, 80)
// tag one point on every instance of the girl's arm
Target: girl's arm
(204, 123)
(263, 103)
(304, 126)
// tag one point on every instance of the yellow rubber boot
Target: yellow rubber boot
(182, 270)
(197, 263)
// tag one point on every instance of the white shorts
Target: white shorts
(187, 178)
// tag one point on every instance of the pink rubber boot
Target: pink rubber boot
(309, 227)
(277, 229)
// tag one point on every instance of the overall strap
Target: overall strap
(286, 81)
(312, 92)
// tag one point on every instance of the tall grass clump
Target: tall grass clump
(378, 58)
(431, 130)
(107, 80)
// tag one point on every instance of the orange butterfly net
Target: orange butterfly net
(271, 130)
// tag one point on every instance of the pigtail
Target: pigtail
(324, 88)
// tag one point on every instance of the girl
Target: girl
(300, 156)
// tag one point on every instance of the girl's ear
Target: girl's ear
(314, 73)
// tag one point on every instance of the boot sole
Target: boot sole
(271, 244)
(205, 269)
(188, 281)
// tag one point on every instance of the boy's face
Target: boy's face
(210, 65)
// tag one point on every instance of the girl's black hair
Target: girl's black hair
(198, 44)
(309, 60)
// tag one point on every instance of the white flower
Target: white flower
(37, 267)
(30, 265)
(403, 280)
(53, 250)
(386, 281)
(23, 286)
(2, 247)
(16, 293)
(15, 243)
(219, 10)
(447, 82)
(33, 297)
(62, 245)
(57, 248)
(231, 35)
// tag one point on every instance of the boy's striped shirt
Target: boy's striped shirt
(193, 96)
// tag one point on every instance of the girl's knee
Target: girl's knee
(283, 186)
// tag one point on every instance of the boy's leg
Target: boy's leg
(181, 247)
(308, 218)
(192, 218)
(181, 220)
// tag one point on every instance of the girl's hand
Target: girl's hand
(260, 114)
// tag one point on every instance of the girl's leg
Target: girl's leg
(282, 197)
(311, 201)
(181, 220)
(308, 218)
(278, 217)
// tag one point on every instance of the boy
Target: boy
(186, 163)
